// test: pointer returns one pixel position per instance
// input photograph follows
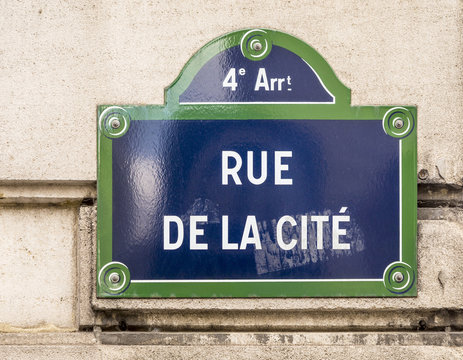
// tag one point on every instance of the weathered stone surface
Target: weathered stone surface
(43, 193)
(233, 346)
(49, 352)
(283, 352)
(341, 319)
(453, 339)
(37, 267)
(59, 60)
(86, 255)
(439, 196)
(416, 338)
(230, 352)
(50, 338)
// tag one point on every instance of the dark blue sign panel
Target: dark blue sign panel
(257, 178)
(235, 197)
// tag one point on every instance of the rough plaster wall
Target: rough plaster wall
(60, 59)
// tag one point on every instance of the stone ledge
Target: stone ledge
(396, 339)
(430, 195)
(221, 346)
(282, 320)
(48, 338)
(104, 352)
(13, 193)
(454, 339)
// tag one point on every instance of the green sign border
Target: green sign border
(108, 270)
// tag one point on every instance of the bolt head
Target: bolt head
(257, 46)
(423, 174)
(398, 123)
(115, 124)
(398, 277)
(114, 278)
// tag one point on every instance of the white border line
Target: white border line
(300, 280)
(400, 200)
(256, 102)
(321, 82)
(252, 280)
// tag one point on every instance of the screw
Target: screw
(257, 46)
(422, 325)
(398, 123)
(115, 124)
(123, 325)
(398, 277)
(114, 278)
(423, 174)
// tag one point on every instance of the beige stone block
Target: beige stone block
(86, 259)
(48, 338)
(59, 60)
(47, 352)
(281, 352)
(37, 267)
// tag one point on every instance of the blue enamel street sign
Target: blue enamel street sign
(256, 178)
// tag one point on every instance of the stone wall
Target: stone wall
(60, 59)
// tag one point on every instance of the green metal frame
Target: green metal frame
(340, 110)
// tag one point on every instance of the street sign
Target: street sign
(256, 179)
